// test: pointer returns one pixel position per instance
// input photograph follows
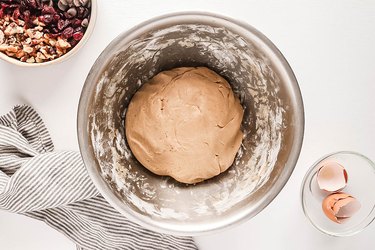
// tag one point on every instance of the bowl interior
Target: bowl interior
(273, 122)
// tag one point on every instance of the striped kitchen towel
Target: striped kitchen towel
(53, 186)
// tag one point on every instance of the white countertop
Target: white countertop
(329, 44)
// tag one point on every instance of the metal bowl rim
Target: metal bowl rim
(90, 163)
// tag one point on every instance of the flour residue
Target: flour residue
(252, 79)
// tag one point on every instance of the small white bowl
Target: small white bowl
(68, 55)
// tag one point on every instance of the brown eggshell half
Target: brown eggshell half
(340, 206)
(332, 177)
(348, 208)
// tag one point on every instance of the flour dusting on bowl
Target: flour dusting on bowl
(231, 59)
(272, 124)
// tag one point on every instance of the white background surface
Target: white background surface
(331, 48)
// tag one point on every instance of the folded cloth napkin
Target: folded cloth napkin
(53, 186)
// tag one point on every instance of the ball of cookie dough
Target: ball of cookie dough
(185, 123)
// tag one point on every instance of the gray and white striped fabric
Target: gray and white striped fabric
(53, 186)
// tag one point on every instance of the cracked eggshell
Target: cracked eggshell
(339, 207)
(332, 177)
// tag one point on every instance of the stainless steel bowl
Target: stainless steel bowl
(273, 122)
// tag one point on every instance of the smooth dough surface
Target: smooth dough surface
(185, 123)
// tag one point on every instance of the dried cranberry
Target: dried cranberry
(55, 30)
(78, 36)
(80, 11)
(73, 42)
(56, 17)
(29, 3)
(26, 15)
(61, 24)
(78, 29)
(31, 19)
(4, 5)
(48, 10)
(76, 22)
(68, 32)
(41, 19)
(48, 18)
(16, 14)
(54, 35)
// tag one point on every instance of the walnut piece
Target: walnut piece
(29, 44)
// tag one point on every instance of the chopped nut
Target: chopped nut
(85, 22)
(12, 40)
(52, 42)
(12, 49)
(20, 22)
(32, 33)
(20, 54)
(72, 12)
(29, 33)
(40, 55)
(38, 28)
(2, 38)
(10, 53)
(12, 29)
(3, 47)
(38, 35)
(59, 52)
(61, 43)
(39, 60)
(30, 60)
(77, 3)
(28, 40)
(38, 23)
(35, 41)
(24, 58)
(62, 6)
(44, 51)
(28, 49)
(84, 2)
